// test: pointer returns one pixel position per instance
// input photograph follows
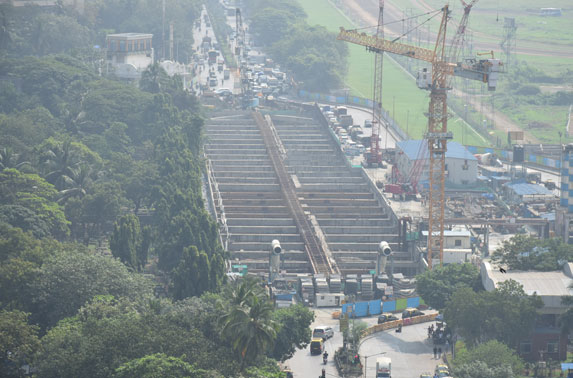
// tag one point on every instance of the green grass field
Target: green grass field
(401, 97)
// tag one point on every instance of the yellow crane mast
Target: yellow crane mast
(437, 134)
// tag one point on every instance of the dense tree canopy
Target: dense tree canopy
(523, 252)
(313, 54)
(493, 353)
(436, 286)
(506, 314)
(94, 171)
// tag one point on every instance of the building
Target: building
(129, 54)
(520, 193)
(457, 246)
(546, 340)
(564, 213)
(461, 165)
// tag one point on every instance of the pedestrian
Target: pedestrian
(447, 348)
(440, 352)
(222, 81)
(435, 352)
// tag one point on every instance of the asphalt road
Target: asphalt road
(202, 71)
(410, 351)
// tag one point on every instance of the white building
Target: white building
(129, 54)
(457, 246)
(461, 165)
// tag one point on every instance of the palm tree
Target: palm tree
(247, 321)
(60, 162)
(9, 159)
(77, 182)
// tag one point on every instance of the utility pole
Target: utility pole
(163, 33)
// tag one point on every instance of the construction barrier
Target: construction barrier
(375, 307)
(394, 324)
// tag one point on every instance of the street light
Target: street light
(366, 361)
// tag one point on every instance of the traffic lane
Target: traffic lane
(411, 351)
(305, 365)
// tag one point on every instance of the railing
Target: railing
(218, 200)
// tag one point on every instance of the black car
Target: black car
(386, 318)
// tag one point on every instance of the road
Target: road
(410, 351)
(202, 71)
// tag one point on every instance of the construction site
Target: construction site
(319, 198)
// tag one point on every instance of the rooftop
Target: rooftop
(550, 286)
(455, 150)
(523, 189)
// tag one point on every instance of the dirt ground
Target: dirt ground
(365, 13)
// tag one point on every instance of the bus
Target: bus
(213, 54)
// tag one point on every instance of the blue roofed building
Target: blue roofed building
(522, 192)
(461, 165)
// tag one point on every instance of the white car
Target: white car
(324, 332)
(223, 91)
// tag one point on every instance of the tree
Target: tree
(159, 365)
(247, 322)
(479, 369)
(125, 240)
(191, 277)
(295, 333)
(18, 342)
(68, 280)
(492, 353)
(507, 314)
(436, 286)
(523, 252)
(106, 333)
(35, 194)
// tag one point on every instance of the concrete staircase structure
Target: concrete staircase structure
(339, 197)
(248, 196)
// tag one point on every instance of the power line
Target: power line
(400, 20)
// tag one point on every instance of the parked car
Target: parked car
(386, 318)
(325, 332)
(223, 91)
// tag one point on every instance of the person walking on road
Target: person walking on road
(440, 352)
(435, 352)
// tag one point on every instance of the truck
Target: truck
(383, 367)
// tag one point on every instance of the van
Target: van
(316, 346)
(324, 332)
(411, 312)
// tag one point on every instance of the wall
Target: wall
(459, 176)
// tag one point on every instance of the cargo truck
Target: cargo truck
(383, 367)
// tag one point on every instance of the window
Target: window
(458, 242)
(122, 46)
(525, 348)
(553, 346)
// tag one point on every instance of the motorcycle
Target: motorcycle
(324, 358)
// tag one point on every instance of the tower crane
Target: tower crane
(437, 82)
(374, 156)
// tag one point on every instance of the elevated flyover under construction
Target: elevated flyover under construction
(284, 177)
